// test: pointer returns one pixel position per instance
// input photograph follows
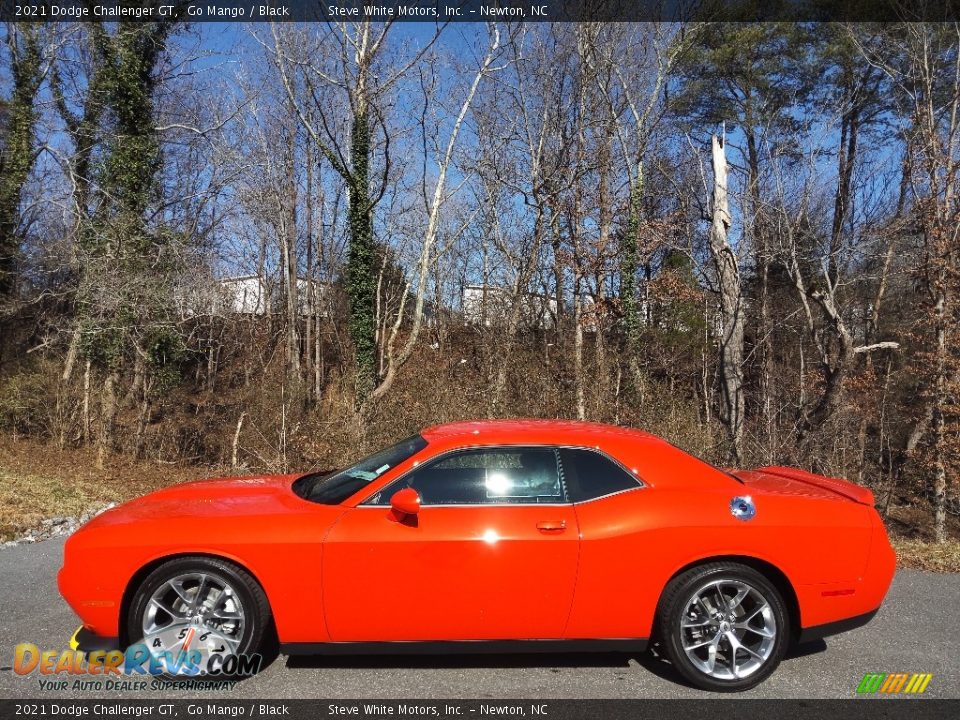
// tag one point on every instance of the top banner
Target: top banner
(478, 10)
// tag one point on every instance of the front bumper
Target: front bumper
(87, 641)
(91, 592)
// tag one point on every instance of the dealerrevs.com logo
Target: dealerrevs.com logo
(114, 669)
(894, 683)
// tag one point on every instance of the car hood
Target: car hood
(777, 480)
(248, 495)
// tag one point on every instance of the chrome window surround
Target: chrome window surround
(640, 483)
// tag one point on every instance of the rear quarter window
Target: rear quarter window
(591, 474)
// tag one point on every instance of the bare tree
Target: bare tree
(397, 358)
(358, 55)
(923, 62)
(731, 304)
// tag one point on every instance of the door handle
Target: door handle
(552, 526)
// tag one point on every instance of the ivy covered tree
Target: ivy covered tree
(359, 83)
(128, 261)
(361, 71)
(17, 152)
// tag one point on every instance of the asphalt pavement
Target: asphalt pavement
(916, 630)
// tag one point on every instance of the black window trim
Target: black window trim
(365, 503)
(596, 450)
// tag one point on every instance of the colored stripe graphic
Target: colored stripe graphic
(871, 682)
(894, 683)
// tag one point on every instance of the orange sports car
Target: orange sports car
(501, 535)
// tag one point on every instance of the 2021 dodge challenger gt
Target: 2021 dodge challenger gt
(501, 535)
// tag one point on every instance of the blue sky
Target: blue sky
(223, 47)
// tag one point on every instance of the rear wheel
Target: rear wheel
(197, 616)
(724, 626)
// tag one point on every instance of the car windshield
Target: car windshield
(335, 487)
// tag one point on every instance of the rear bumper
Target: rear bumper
(818, 632)
(835, 607)
(87, 641)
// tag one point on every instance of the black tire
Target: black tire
(673, 604)
(256, 608)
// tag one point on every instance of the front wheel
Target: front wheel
(724, 626)
(199, 616)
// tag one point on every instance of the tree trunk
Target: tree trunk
(605, 212)
(940, 403)
(629, 265)
(558, 274)
(731, 305)
(235, 446)
(762, 261)
(361, 276)
(108, 405)
(288, 242)
(16, 152)
(578, 373)
(86, 403)
(520, 291)
(846, 159)
(311, 304)
(71, 358)
(142, 421)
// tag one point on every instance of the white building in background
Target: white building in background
(491, 306)
(246, 295)
(251, 295)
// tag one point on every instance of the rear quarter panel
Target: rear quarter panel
(633, 543)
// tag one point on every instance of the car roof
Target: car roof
(529, 430)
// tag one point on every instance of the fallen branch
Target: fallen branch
(887, 345)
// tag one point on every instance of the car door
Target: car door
(492, 553)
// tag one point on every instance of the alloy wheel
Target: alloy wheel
(728, 629)
(191, 617)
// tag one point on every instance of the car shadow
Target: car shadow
(463, 660)
(553, 661)
(662, 668)
(810, 648)
(650, 661)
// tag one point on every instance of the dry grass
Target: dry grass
(924, 555)
(911, 531)
(38, 481)
(25, 500)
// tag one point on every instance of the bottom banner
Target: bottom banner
(932, 709)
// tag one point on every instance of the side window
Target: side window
(592, 474)
(485, 477)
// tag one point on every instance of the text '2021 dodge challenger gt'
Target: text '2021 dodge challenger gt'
(508, 535)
